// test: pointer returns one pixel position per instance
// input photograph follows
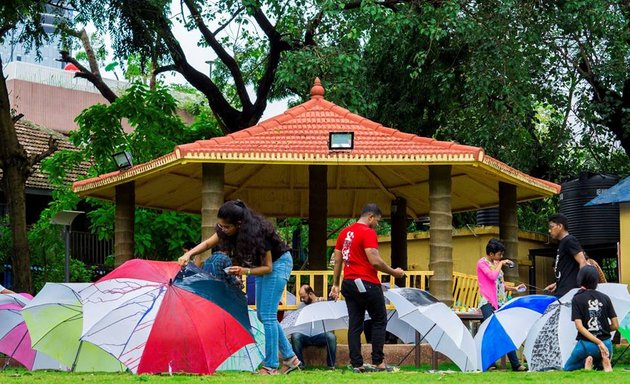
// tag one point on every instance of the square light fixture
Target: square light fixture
(340, 140)
(123, 160)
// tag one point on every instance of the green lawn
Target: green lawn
(407, 375)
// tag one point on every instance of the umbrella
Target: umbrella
(552, 338)
(437, 324)
(155, 319)
(250, 356)
(15, 340)
(316, 318)
(508, 327)
(55, 321)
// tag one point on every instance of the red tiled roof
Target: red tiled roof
(300, 136)
(34, 139)
(303, 132)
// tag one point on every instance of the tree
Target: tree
(15, 163)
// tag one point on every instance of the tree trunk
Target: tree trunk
(15, 166)
(441, 233)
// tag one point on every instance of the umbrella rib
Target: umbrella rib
(73, 318)
(15, 350)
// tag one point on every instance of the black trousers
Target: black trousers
(373, 301)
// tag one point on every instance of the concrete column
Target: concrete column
(508, 232)
(124, 223)
(212, 197)
(441, 232)
(399, 235)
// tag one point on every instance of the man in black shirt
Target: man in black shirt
(569, 257)
(594, 317)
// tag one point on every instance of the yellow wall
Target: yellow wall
(469, 244)
(624, 236)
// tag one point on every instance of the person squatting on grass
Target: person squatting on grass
(255, 249)
(594, 317)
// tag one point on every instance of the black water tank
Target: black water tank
(597, 224)
(488, 216)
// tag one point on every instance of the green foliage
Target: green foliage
(157, 129)
(5, 240)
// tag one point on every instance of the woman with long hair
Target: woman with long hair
(255, 249)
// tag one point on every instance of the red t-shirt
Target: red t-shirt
(352, 242)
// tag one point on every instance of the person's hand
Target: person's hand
(184, 259)
(550, 288)
(603, 350)
(507, 262)
(399, 273)
(238, 270)
(334, 292)
(521, 287)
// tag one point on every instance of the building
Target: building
(14, 51)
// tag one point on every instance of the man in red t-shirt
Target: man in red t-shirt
(357, 251)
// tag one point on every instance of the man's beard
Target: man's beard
(308, 300)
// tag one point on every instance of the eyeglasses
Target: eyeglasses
(225, 227)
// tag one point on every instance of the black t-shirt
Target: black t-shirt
(276, 246)
(594, 309)
(566, 268)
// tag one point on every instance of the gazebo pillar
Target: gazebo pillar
(399, 235)
(441, 233)
(124, 222)
(508, 228)
(317, 214)
(212, 196)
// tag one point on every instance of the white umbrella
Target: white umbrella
(316, 318)
(551, 340)
(437, 324)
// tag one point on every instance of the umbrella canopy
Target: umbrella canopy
(155, 319)
(267, 165)
(552, 338)
(250, 356)
(55, 321)
(437, 324)
(316, 318)
(15, 340)
(508, 327)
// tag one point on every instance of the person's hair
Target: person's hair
(188, 245)
(494, 246)
(308, 289)
(559, 218)
(587, 277)
(371, 208)
(247, 247)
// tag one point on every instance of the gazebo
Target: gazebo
(319, 160)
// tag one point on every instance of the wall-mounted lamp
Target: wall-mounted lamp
(340, 140)
(123, 160)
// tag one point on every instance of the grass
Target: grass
(406, 375)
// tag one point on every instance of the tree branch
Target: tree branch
(17, 117)
(165, 68)
(222, 54)
(238, 11)
(52, 147)
(84, 73)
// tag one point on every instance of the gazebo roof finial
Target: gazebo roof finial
(317, 92)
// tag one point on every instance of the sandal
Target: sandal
(267, 371)
(386, 368)
(289, 365)
(520, 368)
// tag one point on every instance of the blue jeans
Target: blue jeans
(269, 290)
(582, 350)
(487, 310)
(328, 339)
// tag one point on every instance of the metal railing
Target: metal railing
(465, 287)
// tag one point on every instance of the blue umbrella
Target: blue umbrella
(508, 327)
